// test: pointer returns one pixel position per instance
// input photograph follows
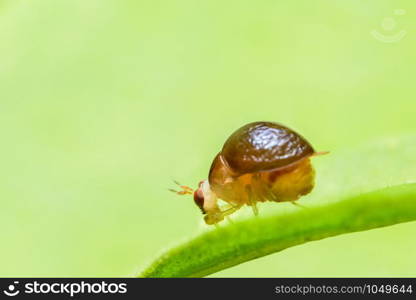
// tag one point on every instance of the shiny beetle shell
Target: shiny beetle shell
(259, 162)
(263, 146)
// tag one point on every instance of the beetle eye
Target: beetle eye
(199, 199)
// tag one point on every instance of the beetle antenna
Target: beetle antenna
(185, 190)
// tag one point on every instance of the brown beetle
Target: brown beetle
(261, 161)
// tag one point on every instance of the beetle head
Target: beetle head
(199, 197)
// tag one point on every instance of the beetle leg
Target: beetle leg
(229, 211)
(297, 204)
(254, 208)
(320, 153)
(217, 215)
(251, 200)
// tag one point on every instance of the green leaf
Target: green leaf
(371, 186)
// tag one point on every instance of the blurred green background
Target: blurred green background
(104, 102)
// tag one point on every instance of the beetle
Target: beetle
(261, 161)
